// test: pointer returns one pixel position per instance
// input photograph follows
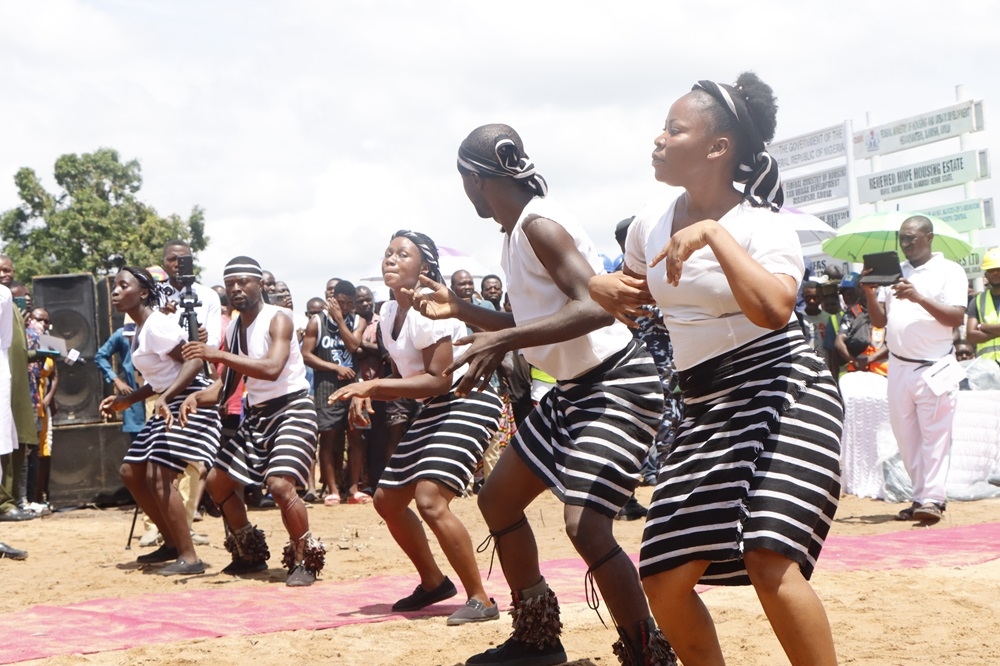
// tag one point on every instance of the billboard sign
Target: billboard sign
(926, 176)
(836, 218)
(965, 215)
(816, 187)
(809, 148)
(973, 263)
(919, 130)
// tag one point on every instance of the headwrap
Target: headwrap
(757, 169)
(428, 251)
(507, 161)
(157, 290)
(243, 266)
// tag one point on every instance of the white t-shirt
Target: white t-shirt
(151, 349)
(209, 313)
(293, 376)
(911, 331)
(417, 333)
(701, 312)
(533, 296)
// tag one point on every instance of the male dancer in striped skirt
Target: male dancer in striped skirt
(588, 437)
(276, 440)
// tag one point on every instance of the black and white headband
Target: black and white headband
(760, 174)
(243, 266)
(509, 162)
(428, 251)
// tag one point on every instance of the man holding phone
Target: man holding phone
(920, 312)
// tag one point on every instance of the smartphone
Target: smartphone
(185, 266)
(21, 302)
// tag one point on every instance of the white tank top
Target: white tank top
(293, 376)
(534, 295)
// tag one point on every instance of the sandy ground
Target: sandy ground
(935, 615)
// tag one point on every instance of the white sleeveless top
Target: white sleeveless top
(416, 334)
(151, 349)
(701, 313)
(293, 376)
(533, 295)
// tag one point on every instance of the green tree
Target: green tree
(95, 224)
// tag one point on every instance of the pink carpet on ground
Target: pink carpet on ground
(101, 625)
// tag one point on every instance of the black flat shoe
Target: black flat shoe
(240, 567)
(12, 553)
(422, 598)
(161, 554)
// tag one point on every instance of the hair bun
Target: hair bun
(761, 102)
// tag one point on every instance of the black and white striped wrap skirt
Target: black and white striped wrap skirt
(275, 438)
(446, 441)
(756, 462)
(176, 448)
(588, 437)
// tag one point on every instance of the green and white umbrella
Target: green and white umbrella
(879, 232)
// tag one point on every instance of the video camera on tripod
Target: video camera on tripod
(189, 300)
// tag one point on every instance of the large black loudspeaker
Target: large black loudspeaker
(85, 463)
(72, 309)
(70, 301)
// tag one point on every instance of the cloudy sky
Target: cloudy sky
(310, 130)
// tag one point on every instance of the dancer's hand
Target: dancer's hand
(198, 350)
(354, 390)
(682, 245)
(111, 405)
(621, 295)
(361, 411)
(161, 408)
(439, 303)
(484, 355)
(189, 406)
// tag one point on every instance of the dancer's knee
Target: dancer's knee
(431, 504)
(590, 532)
(219, 485)
(282, 490)
(390, 502)
(768, 570)
(497, 512)
(132, 475)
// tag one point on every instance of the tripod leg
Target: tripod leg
(131, 532)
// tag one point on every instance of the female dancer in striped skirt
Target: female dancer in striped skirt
(438, 454)
(588, 436)
(163, 449)
(748, 491)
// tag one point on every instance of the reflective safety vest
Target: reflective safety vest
(988, 315)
